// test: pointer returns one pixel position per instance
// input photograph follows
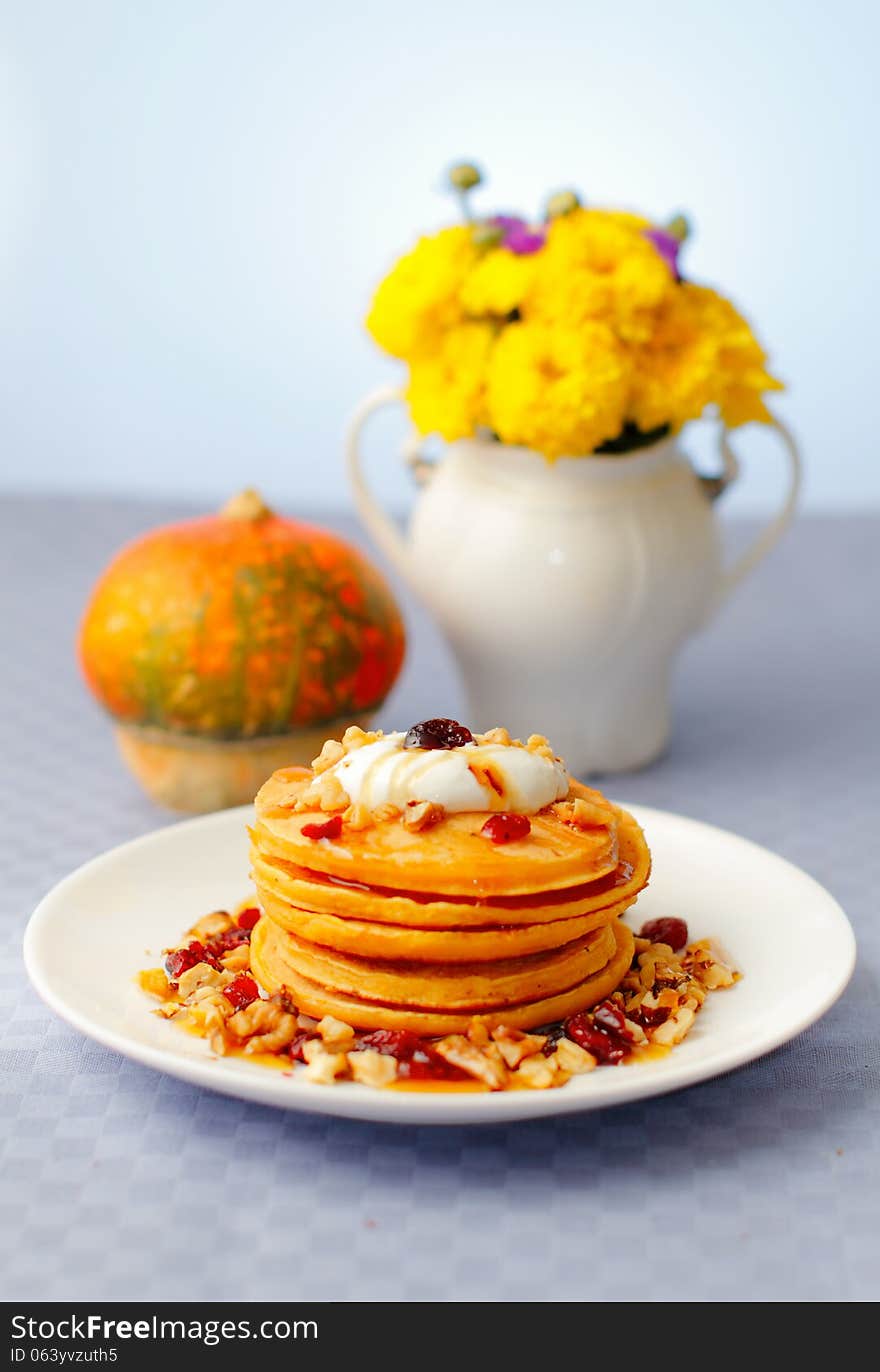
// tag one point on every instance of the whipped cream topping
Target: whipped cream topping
(477, 776)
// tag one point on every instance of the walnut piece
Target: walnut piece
(514, 1045)
(497, 736)
(334, 1031)
(574, 1059)
(200, 975)
(331, 753)
(323, 1067)
(537, 1073)
(266, 1026)
(210, 925)
(458, 1051)
(385, 812)
(357, 817)
(237, 959)
(326, 792)
(422, 814)
(372, 1068)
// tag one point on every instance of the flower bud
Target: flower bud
(464, 176)
(679, 227)
(486, 235)
(563, 202)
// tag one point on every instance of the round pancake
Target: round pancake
(316, 1000)
(438, 986)
(452, 856)
(317, 891)
(394, 942)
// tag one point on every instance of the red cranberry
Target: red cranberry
(241, 992)
(248, 918)
(438, 733)
(503, 828)
(669, 930)
(605, 1047)
(331, 828)
(225, 942)
(182, 959)
(396, 1043)
(610, 1017)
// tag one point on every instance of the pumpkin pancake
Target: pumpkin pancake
(462, 986)
(307, 889)
(317, 1000)
(452, 856)
(398, 942)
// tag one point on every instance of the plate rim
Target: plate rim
(447, 1108)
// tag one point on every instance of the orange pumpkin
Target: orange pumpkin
(240, 626)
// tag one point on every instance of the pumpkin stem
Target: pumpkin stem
(247, 505)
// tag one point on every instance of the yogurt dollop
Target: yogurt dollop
(477, 776)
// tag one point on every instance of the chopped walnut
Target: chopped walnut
(458, 1051)
(210, 925)
(422, 814)
(497, 736)
(327, 793)
(334, 1031)
(574, 1059)
(355, 737)
(385, 812)
(323, 1067)
(514, 1045)
(372, 1068)
(583, 814)
(237, 959)
(266, 1026)
(331, 753)
(200, 975)
(674, 1029)
(536, 1072)
(358, 817)
(537, 744)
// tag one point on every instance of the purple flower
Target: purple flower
(517, 235)
(667, 246)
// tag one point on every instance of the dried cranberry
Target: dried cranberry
(606, 1047)
(182, 959)
(241, 992)
(248, 918)
(396, 1043)
(438, 733)
(505, 827)
(331, 828)
(668, 930)
(225, 942)
(610, 1017)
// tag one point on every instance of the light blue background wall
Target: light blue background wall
(197, 197)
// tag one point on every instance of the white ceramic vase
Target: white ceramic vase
(566, 589)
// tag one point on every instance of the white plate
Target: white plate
(89, 937)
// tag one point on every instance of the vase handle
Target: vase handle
(771, 534)
(379, 523)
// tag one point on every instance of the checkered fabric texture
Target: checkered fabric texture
(120, 1183)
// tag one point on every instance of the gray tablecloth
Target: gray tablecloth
(117, 1182)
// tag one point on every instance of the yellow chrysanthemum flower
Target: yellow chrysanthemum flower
(447, 388)
(420, 297)
(561, 391)
(499, 283)
(701, 353)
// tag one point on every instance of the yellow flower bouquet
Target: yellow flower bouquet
(574, 336)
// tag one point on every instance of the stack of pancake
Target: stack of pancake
(387, 928)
